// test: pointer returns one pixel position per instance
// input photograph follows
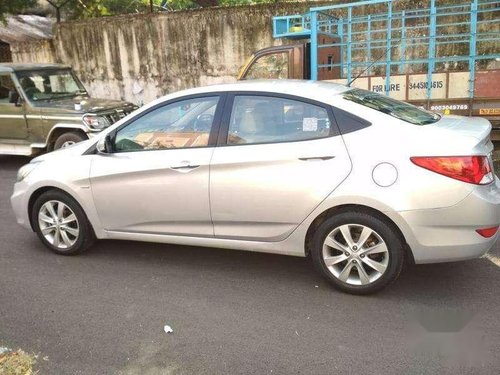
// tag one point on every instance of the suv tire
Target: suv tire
(68, 139)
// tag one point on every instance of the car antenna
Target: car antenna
(369, 66)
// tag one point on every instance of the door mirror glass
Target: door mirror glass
(105, 145)
(8, 93)
(14, 97)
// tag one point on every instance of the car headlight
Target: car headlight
(95, 122)
(25, 170)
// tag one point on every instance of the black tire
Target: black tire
(395, 246)
(68, 137)
(86, 236)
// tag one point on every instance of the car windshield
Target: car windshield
(50, 84)
(392, 107)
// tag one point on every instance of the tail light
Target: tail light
(472, 169)
(487, 232)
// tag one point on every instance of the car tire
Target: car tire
(61, 224)
(368, 262)
(68, 139)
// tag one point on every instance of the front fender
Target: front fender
(67, 126)
(70, 175)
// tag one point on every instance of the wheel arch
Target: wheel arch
(358, 208)
(38, 192)
(57, 130)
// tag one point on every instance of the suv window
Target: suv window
(183, 124)
(272, 66)
(6, 86)
(50, 84)
(262, 119)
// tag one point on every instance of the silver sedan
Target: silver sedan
(357, 181)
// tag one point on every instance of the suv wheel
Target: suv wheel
(68, 139)
(359, 253)
(61, 223)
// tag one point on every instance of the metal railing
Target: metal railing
(398, 39)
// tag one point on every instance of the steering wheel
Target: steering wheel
(203, 122)
(31, 92)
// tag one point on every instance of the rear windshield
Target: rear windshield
(392, 107)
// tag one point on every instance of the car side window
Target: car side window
(262, 119)
(183, 124)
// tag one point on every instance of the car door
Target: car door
(13, 124)
(278, 158)
(156, 179)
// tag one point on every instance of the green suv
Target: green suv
(44, 107)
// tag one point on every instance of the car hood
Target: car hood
(87, 105)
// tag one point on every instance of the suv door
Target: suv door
(13, 124)
(278, 158)
(156, 180)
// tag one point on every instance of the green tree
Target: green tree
(14, 7)
(78, 9)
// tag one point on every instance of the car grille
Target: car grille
(116, 115)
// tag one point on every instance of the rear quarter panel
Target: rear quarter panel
(389, 140)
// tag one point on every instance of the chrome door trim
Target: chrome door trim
(12, 116)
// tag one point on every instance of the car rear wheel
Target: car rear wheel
(68, 139)
(358, 252)
(61, 223)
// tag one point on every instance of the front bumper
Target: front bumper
(449, 234)
(19, 201)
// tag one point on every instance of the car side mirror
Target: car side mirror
(105, 145)
(14, 97)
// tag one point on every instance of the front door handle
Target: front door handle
(317, 158)
(185, 166)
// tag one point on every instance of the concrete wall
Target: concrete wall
(115, 57)
(33, 51)
(143, 56)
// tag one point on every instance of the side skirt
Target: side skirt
(282, 247)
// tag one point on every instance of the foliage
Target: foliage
(16, 362)
(14, 6)
(77, 9)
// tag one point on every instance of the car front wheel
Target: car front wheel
(61, 224)
(358, 252)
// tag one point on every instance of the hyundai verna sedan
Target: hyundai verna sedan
(355, 180)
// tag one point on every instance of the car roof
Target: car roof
(315, 90)
(18, 67)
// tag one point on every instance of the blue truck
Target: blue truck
(444, 57)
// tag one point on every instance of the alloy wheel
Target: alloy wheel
(58, 224)
(67, 144)
(355, 254)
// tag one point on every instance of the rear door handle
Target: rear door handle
(317, 158)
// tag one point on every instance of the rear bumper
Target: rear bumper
(449, 234)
